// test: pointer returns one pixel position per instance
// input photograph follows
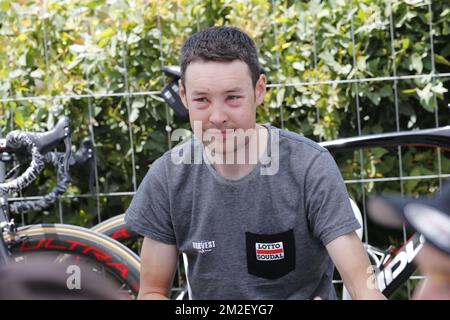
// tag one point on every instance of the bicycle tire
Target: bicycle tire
(115, 259)
(116, 228)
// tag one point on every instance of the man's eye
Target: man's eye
(233, 97)
(201, 100)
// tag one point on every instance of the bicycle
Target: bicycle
(393, 265)
(60, 242)
(430, 217)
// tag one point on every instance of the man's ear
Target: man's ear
(260, 89)
(182, 93)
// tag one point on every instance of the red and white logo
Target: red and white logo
(269, 251)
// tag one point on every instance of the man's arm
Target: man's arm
(353, 264)
(158, 266)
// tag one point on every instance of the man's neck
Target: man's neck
(236, 170)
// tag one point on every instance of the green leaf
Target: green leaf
(416, 63)
(405, 43)
(97, 111)
(439, 88)
(409, 91)
(350, 49)
(280, 96)
(379, 152)
(134, 114)
(374, 97)
(441, 59)
(38, 74)
(106, 36)
(425, 96)
(77, 48)
(19, 120)
(300, 66)
(133, 38)
(138, 102)
(329, 60)
(410, 185)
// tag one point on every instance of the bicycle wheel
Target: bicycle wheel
(67, 243)
(117, 229)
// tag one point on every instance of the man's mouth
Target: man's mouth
(221, 133)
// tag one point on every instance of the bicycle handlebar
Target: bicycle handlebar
(36, 143)
(44, 141)
(81, 157)
(56, 159)
(19, 138)
(438, 137)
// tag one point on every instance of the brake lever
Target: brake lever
(85, 156)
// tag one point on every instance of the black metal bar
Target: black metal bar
(438, 137)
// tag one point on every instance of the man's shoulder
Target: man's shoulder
(295, 140)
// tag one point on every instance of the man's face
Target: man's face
(221, 98)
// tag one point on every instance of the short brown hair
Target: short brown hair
(220, 44)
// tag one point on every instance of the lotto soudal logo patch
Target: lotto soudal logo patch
(269, 251)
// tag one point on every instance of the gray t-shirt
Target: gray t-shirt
(260, 237)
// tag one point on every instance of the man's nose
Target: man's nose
(218, 116)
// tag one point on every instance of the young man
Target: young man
(258, 211)
(431, 218)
